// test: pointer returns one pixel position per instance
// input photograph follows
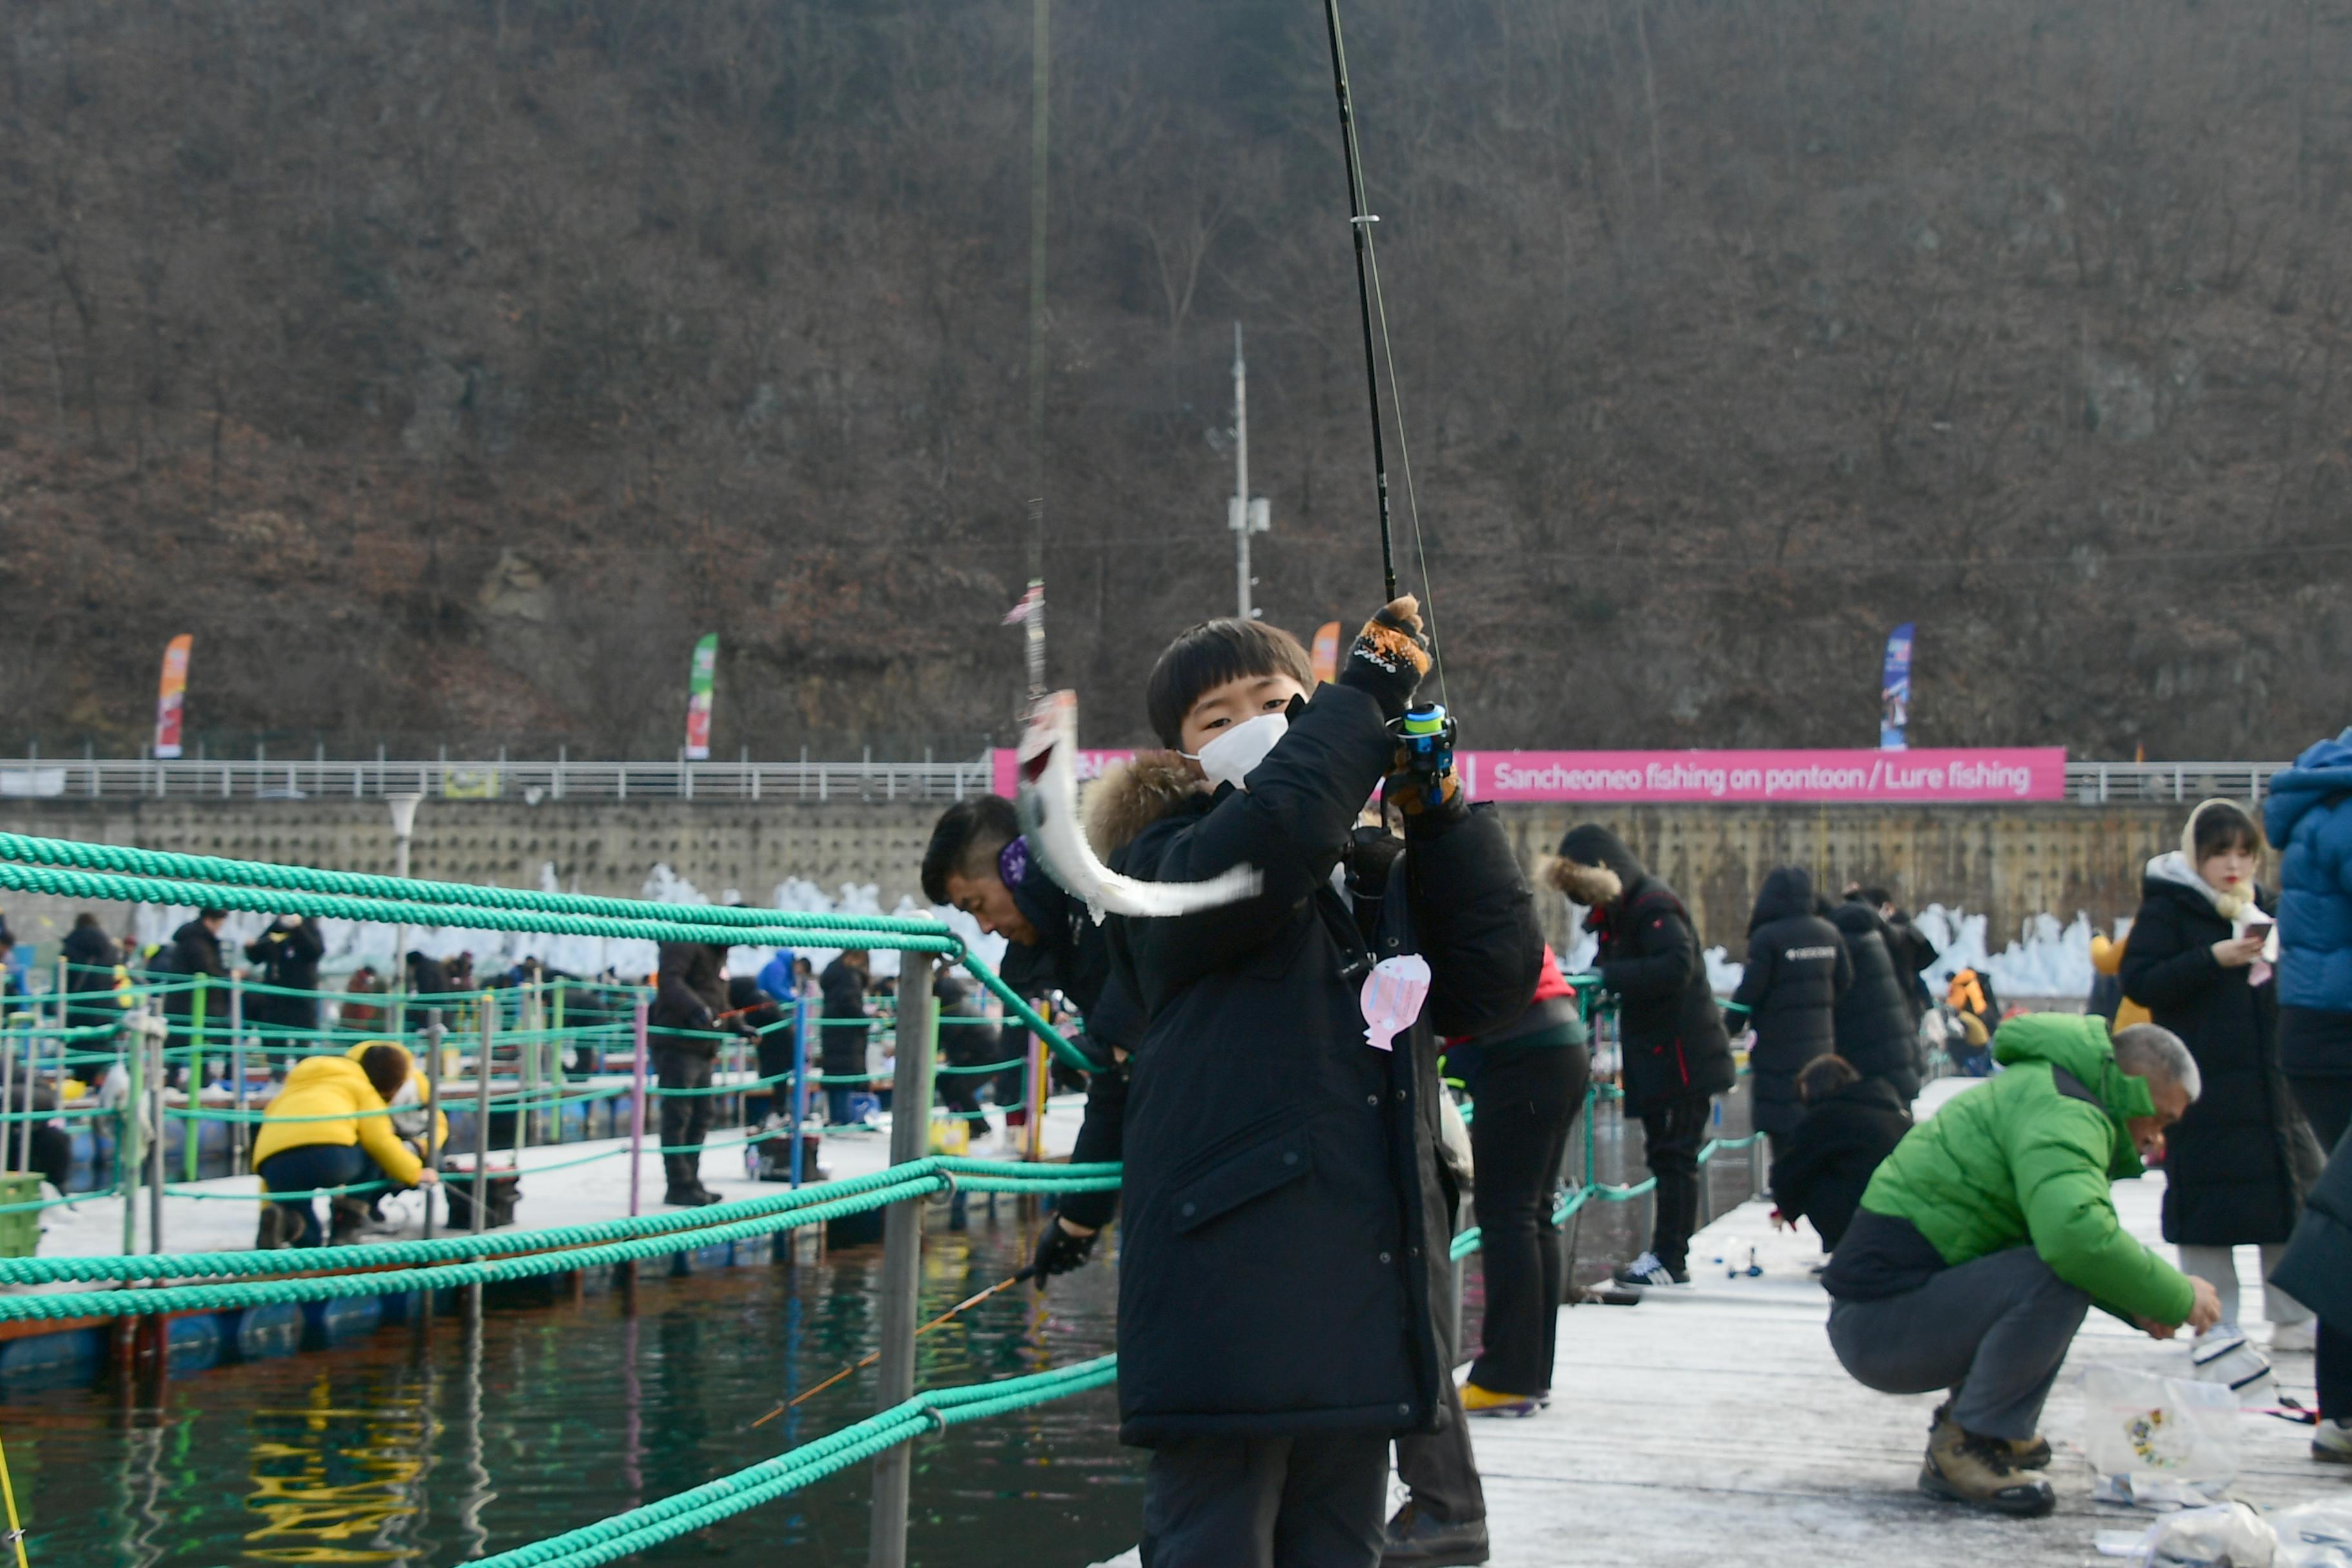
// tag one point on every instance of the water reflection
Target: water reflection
(333, 1484)
(425, 1447)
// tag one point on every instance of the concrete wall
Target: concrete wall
(2010, 862)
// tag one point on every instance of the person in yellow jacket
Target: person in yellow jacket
(2108, 961)
(332, 1126)
(412, 1102)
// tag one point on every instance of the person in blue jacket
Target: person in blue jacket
(2308, 817)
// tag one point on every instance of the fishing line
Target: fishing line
(1371, 304)
(869, 1359)
(1404, 459)
(8, 1491)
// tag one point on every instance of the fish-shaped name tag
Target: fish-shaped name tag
(1392, 996)
(1047, 760)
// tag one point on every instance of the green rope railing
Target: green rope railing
(916, 1179)
(980, 1175)
(640, 1529)
(473, 899)
(66, 869)
(652, 922)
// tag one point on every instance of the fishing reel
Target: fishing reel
(1426, 734)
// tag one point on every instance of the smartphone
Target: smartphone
(2259, 927)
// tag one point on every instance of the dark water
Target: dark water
(409, 1450)
(432, 1449)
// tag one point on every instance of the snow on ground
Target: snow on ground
(1711, 1426)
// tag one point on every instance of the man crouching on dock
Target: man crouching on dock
(1985, 1237)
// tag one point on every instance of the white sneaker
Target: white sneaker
(1649, 1270)
(2301, 1337)
(2331, 1442)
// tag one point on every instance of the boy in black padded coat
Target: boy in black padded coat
(1284, 1298)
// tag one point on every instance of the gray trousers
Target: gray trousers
(1993, 1331)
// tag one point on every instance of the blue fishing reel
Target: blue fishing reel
(1427, 733)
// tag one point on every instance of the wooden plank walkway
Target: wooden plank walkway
(1711, 1427)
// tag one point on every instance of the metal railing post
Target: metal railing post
(433, 1035)
(902, 1245)
(236, 1135)
(800, 1073)
(188, 1140)
(156, 1174)
(489, 1016)
(637, 1108)
(127, 1155)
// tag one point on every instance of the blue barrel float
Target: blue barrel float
(272, 1329)
(62, 1360)
(331, 1322)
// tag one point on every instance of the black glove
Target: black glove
(1429, 805)
(1370, 852)
(1059, 1251)
(1390, 657)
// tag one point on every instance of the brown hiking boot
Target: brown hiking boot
(2025, 1453)
(1964, 1468)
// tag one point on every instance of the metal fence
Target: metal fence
(189, 779)
(2122, 784)
(130, 778)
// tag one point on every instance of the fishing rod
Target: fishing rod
(867, 1361)
(1428, 732)
(1359, 220)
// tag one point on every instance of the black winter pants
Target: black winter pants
(1670, 1135)
(1440, 1469)
(1528, 1098)
(1313, 1500)
(685, 1118)
(2327, 1105)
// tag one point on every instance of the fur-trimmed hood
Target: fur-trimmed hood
(1130, 796)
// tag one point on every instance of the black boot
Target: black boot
(1419, 1539)
(347, 1220)
(686, 1188)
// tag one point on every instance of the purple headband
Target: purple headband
(1012, 862)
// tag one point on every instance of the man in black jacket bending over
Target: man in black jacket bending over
(1677, 1055)
(1284, 1298)
(977, 862)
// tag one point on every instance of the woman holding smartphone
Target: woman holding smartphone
(2196, 960)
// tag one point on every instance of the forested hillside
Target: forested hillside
(448, 366)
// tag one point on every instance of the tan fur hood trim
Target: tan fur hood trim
(1587, 884)
(1130, 796)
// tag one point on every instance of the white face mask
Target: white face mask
(1229, 758)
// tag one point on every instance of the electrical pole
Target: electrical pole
(1242, 515)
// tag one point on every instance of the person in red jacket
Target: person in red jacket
(1526, 1080)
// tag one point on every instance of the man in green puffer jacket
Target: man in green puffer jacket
(1989, 1232)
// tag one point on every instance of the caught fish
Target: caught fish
(1048, 766)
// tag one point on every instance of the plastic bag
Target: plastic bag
(2157, 1440)
(2224, 1535)
(2224, 1355)
(2230, 1535)
(2316, 1535)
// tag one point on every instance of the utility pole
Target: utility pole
(1242, 515)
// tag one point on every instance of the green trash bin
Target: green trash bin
(20, 1232)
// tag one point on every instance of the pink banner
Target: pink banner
(1919, 777)
(1914, 777)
